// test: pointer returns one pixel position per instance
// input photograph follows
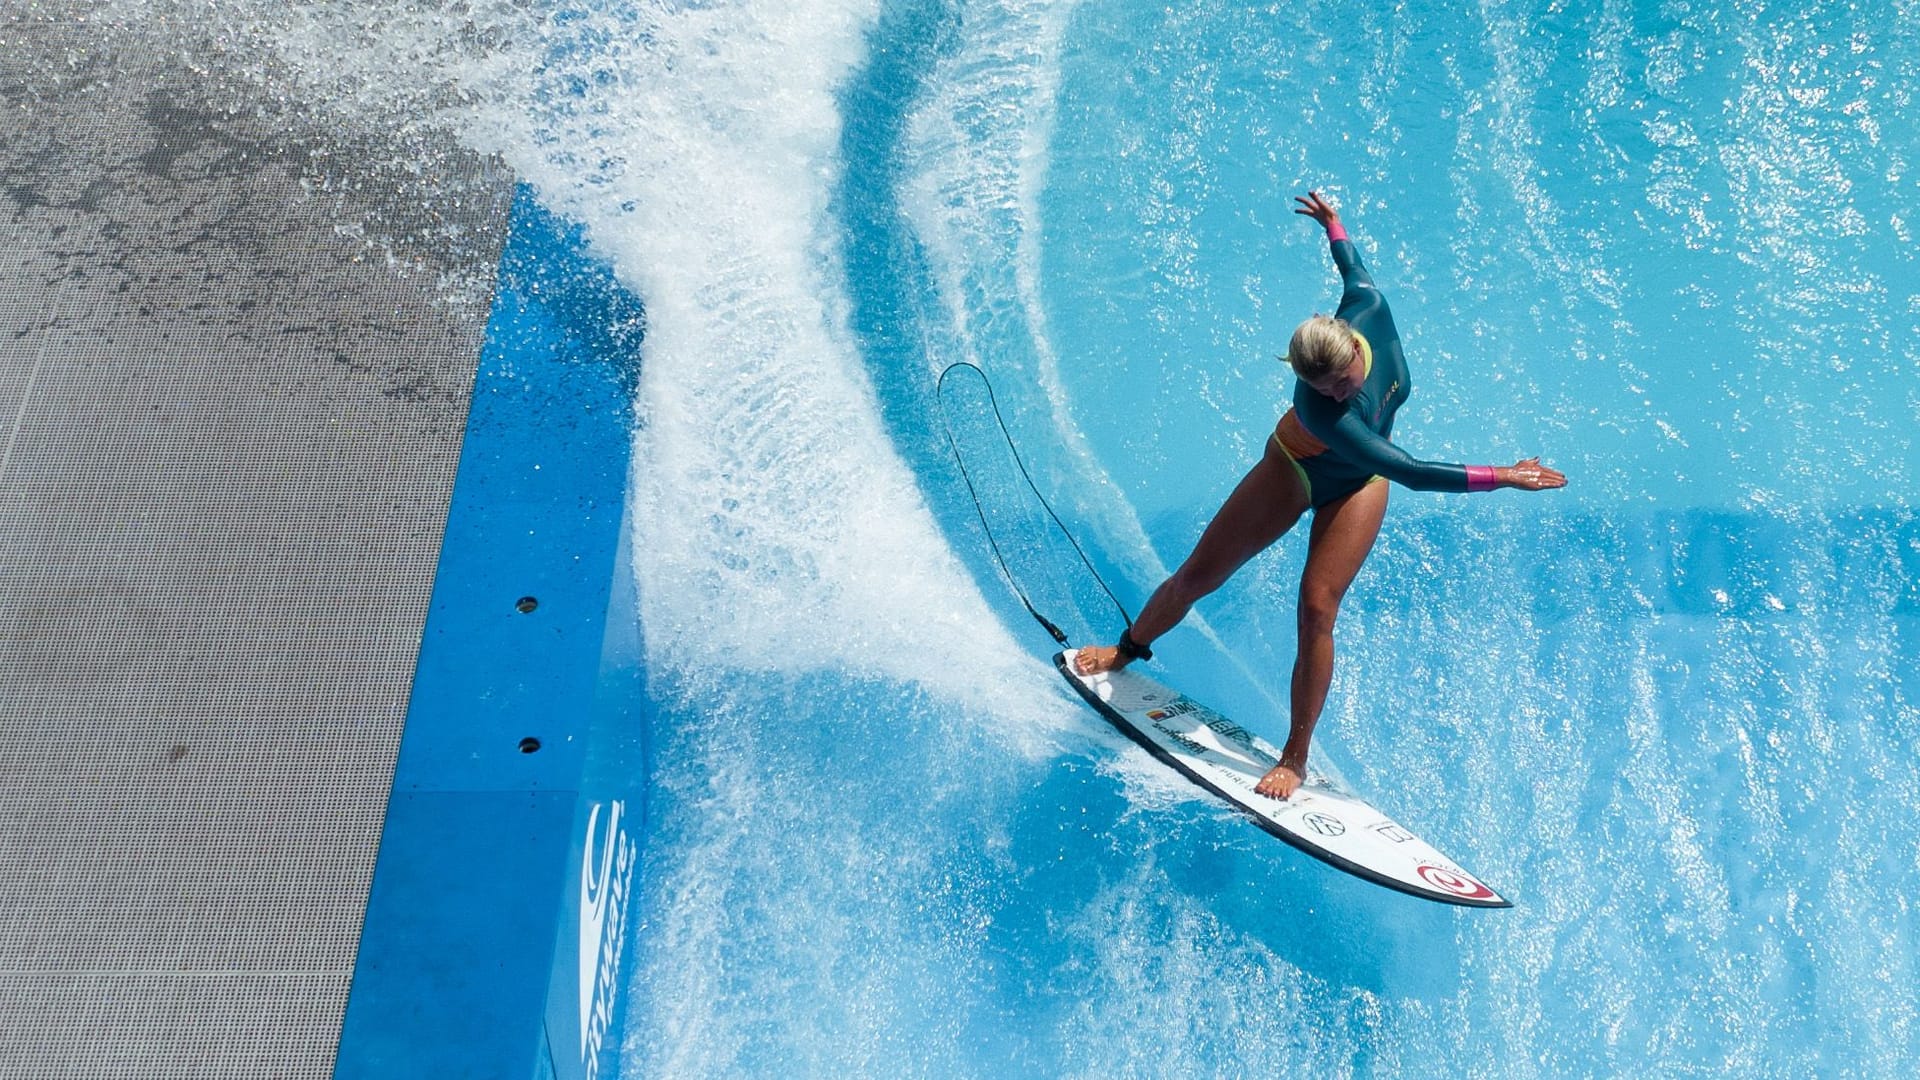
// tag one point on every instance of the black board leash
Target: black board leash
(940, 387)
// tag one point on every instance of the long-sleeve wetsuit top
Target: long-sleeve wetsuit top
(1352, 435)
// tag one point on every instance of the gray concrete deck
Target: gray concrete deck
(228, 433)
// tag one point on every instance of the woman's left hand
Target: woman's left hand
(1530, 475)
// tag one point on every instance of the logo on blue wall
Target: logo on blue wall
(606, 874)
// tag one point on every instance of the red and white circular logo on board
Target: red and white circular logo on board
(1450, 881)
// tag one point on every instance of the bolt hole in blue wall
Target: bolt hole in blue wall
(493, 930)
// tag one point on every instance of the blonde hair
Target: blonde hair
(1320, 347)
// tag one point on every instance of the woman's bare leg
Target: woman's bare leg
(1266, 503)
(1343, 534)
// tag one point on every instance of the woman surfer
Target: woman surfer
(1329, 452)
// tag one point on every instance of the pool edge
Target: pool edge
(492, 938)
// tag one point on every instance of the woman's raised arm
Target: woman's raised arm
(1346, 258)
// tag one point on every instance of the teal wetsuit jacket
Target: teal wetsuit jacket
(1340, 446)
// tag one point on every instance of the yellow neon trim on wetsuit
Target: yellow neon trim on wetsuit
(1299, 470)
(1366, 353)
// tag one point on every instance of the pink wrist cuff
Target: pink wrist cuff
(1336, 232)
(1482, 478)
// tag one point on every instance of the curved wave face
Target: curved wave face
(1670, 710)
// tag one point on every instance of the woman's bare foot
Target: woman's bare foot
(1096, 659)
(1282, 780)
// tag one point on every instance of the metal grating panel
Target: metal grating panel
(241, 1025)
(227, 444)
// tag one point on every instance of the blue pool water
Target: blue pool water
(1669, 710)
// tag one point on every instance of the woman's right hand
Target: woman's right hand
(1530, 475)
(1318, 209)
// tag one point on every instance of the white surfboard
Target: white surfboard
(1320, 819)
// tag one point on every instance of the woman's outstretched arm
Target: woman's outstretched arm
(1355, 442)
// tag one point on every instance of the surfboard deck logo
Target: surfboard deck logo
(1321, 819)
